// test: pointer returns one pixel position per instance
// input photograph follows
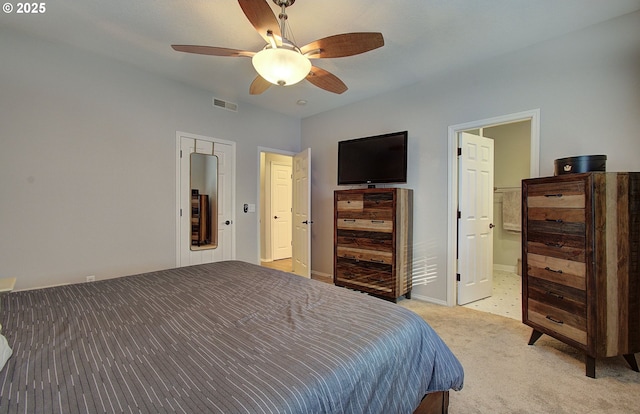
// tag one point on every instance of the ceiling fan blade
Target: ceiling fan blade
(347, 44)
(261, 17)
(259, 85)
(326, 80)
(212, 50)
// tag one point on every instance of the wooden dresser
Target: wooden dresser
(373, 241)
(581, 252)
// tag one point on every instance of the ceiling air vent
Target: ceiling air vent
(229, 106)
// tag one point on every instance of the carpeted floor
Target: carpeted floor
(505, 375)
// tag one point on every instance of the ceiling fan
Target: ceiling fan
(283, 63)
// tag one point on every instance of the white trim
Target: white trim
(258, 206)
(452, 213)
(179, 135)
(427, 299)
(321, 275)
(48, 286)
(505, 268)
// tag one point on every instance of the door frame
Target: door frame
(259, 191)
(179, 135)
(452, 206)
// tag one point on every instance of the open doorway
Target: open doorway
(512, 158)
(297, 200)
(276, 196)
(515, 137)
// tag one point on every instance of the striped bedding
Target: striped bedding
(228, 337)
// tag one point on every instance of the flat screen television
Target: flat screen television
(373, 160)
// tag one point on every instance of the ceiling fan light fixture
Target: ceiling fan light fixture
(281, 66)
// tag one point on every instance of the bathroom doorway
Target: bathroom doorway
(512, 158)
(502, 130)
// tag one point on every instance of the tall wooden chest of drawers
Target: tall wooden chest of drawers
(373, 241)
(581, 252)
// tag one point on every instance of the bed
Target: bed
(227, 337)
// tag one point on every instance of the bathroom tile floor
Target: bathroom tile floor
(506, 298)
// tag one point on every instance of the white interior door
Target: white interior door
(475, 223)
(225, 151)
(301, 252)
(281, 210)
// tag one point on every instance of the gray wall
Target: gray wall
(586, 84)
(87, 163)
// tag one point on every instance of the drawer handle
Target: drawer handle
(551, 270)
(553, 195)
(349, 220)
(555, 295)
(377, 261)
(554, 320)
(377, 221)
(558, 245)
(555, 220)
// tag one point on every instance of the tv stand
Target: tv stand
(373, 241)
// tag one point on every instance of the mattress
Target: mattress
(227, 337)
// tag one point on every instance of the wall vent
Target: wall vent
(229, 106)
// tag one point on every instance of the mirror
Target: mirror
(204, 201)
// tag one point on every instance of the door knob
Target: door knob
(491, 225)
(307, 222)
(227, 222)
(275, 217)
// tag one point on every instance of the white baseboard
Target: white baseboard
(321, 274)
(428, 299)
(505, 268)
(48, 286)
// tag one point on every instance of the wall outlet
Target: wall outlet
(91, 278)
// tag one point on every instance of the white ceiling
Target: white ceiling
(422, 38)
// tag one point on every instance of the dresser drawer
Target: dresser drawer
(560, 271)
(557, 214)
(560, 247)
(377, 241)
(373, 277)
(556, 220)
(349, 202)
(366, 214)
(365, 255)
(382, 200)
(557, 320)
(365, 224)
(559, 296)
(570, 194)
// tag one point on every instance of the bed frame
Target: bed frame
(434, 403)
